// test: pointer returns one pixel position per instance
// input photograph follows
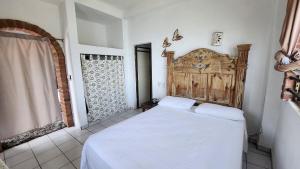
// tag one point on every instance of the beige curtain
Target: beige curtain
(288, 58)
(291, 28)
(28, 90)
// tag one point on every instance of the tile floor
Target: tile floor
(62, 149)
(256, 159)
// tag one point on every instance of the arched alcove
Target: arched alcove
(58, 58)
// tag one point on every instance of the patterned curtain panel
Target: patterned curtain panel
(103, 77)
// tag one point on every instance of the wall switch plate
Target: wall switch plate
(217, 38)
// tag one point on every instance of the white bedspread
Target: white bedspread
(165, 138)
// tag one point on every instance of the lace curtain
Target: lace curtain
(103, 77)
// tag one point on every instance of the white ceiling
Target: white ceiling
(55, 2)
(125, 4)
(132, 7)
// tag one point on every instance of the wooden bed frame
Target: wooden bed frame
(208, 76)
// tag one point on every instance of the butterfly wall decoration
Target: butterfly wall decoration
(177, 36)
(166, 43)
(163, 54)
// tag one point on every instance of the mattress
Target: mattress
(166, 138)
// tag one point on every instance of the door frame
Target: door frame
(136, 47)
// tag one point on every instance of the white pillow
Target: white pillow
(219, 111)
(177, 102)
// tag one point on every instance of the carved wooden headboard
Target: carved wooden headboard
(208, 76)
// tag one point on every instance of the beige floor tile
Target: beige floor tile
(61, 140)
(2, 156)
(251, 166)
(69, 145)
(259, 160)
(39, 141)
(82, 135)
(60, 137)
(72, 129)
(118, 119)
(74, 153)
(48, 155)
(17, 159)
(83, 138)
(107, 123)
(127, 115)
(16, 150)
(252, 148)
(77, 163)
(68, 166)
(56, 163)
(57, 133)
(96, 128)
(28, 164)
(42, 148)
(77, 133)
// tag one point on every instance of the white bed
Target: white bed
(166, 138)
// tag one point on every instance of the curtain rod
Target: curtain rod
(58, 39)
(25, 36)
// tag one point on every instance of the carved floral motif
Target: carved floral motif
(208, 76)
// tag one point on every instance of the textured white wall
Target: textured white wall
(114, 32)
(242, 21)
(91, 33)
(281, 120)
(45, 15)
(74, 49)
(272, 104)
(286, 148)
(103, 7)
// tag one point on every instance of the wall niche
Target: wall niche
(96, 28)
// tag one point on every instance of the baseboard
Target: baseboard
(84, 127)
(254, 140)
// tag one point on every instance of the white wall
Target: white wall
(242, 21)
(103, 7)
(114, 32)
(273, 101)
(91, 33)
(281, 120)
(286, 149)
(73, 50)
(73, 64)
(45, 15)
(95, 22)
